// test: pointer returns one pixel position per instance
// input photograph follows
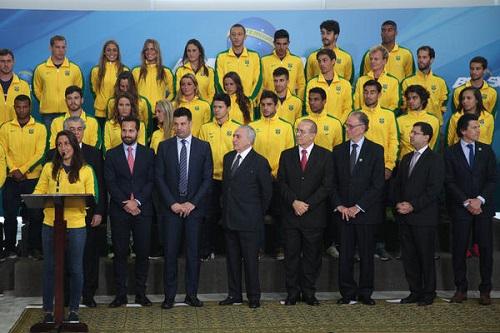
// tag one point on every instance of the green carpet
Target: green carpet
(275, 318)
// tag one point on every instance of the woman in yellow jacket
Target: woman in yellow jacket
(193, 61)
(154, 81)
(164, 114)
(471, 101)
(241, 109)
(126, 83)
(124, 107)
(189, 97)
(103, 78)
(69, 174)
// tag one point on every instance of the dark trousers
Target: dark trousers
(140, 226)
(242, 244)
(91, 261)
(362, 236)
(11, 205)
(174, 227)
(302, 260)
(272, 235)
(417, 253)
(210, 225)
(462, 227)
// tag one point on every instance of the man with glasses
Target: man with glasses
(358, 184)
(416, 191)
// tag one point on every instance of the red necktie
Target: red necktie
(303, 160)
(130, 159)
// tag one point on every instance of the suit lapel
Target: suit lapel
(419, 162)
(244, 164)
(459, 152)
(123, 157)
(311, 161)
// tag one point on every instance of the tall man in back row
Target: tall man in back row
(240, 60)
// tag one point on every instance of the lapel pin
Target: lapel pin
(479, 148)
(360, 160)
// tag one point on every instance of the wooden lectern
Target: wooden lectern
(59, 202)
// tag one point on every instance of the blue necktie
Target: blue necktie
(471, 155)
(183, 179)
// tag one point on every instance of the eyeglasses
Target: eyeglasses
(349, 126)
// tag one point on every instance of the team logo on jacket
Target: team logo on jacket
(384, 86)
(229, 133)
(290, 107)
(277, 131)
(290, 66)
(338, 61)
(338, 88)
(433, 87)
(398, 58)
(381, 120)
(197, 108)
(247, 62)
(16, 88)
(326, 128)
(485, 96)
(481, 121)
(66, 73)
(31, 131)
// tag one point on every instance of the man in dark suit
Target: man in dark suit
(470, 185)
(305, 182)
(358, 184)
(247, 191)
(416, 189)
(184, 170)
(129, 174)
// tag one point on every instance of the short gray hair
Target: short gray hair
(314, 127)
(73, 119)
(250, 132)
(362, 118)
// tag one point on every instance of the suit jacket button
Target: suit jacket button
(302, 178)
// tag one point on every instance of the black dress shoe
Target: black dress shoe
(344, 301)
(167, 304)
(254, 304)
(142, 300)
(367, 300)
(313, 301)
(193, 301)
(89, 302)
(412, 298)
(231, 301)
(425, 302)
(118, 301)
(290, 301)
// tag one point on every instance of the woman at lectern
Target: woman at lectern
(67, 173)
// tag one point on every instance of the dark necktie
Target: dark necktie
(183, 179)
(352, 159)
(236, 164)
(303, 160)
(471, 155)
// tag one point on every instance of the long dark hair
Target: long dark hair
(201, 59)
(242, 100)
(77, 160)
(134, 110)
(101, 72)
(479, 98)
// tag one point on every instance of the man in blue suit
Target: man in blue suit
(183, 175)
